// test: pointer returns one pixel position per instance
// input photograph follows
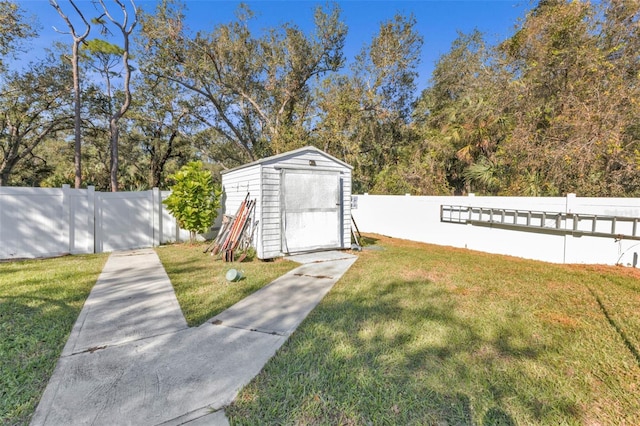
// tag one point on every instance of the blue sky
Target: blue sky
(437, 20)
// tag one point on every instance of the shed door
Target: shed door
(311, 210)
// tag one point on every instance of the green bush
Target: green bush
(194, 200)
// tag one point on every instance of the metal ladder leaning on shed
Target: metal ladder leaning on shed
(576, 224)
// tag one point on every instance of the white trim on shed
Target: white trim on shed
(304, 167)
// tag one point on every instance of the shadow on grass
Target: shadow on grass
(33, 331)
(618, 329)
(497, 417)
(368, 241)
(373, 357)
(189, 266)
(40, 300)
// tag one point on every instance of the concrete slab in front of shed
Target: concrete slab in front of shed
(319, 256)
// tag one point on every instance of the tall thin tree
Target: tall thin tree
(77, 39)
(126, 28)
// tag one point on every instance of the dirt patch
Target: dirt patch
(559, 319)
(418, 275)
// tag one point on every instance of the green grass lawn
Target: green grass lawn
(39, 303)
(412, 334)
(421, 334)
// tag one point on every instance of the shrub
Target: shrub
(194, 200)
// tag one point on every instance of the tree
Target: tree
(33, 107)
(257, 88)
(97, 107)
(576, 93)
(125, 27)
(14, 29)
(105, 59)
(163, 123)
(75, 58)
(620, 43)
(194, 200)
(463, 115)
(364, 118)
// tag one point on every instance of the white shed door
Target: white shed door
(310, 210)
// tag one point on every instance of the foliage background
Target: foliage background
(550, 110)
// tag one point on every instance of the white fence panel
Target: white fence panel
(46, 222)
(417, 218)
(171, 232)
(124, 220)
(609, 251)
(43, 222)
(31, 223)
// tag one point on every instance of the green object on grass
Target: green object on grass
(234, 275)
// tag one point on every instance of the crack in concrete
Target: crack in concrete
(257, 330)
(314, 276)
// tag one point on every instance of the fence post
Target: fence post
(157, 216)
(91, 219)
(469, 199)
(570, 203)
(97, 214)
(68, 232)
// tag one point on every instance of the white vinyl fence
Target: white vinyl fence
(568, 238)
(44, 222)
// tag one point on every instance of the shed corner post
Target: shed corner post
(570, 202)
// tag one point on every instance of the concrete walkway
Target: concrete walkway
(132, 360)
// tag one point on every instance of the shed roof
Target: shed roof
(307, 148)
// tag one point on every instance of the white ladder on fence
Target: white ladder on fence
(576, 224)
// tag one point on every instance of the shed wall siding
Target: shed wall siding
(236, 184)
(271, 236)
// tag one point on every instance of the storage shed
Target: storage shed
(303, 201)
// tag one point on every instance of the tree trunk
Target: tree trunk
(77, 121)
(6, 167)
(113, 123)
(77, 39)
(158, 164)
(113, 180)
(155, 174)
